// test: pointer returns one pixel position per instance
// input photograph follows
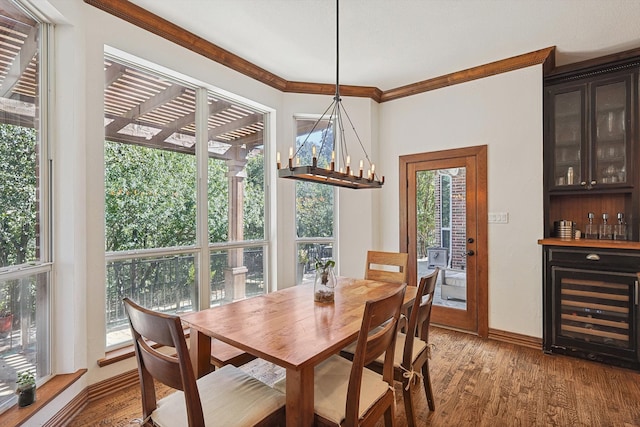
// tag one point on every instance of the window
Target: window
(25, 256)
(314, 202)
(445, 211)
(158, 252)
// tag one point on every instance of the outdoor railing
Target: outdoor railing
(167, 284)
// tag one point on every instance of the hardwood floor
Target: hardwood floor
(476, 383)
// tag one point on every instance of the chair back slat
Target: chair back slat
(423, 318)
(163, 368)
(387, 266)
(384, 313)
(420, 315)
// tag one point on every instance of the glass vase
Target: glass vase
(325, 284)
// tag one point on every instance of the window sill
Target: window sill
(15, 416)
(221, 354)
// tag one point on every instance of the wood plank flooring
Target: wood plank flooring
(476, 383)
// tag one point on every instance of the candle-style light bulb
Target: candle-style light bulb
(373, 169)
(297, 161)
(348, 160)
(313, 150)
(333, 155)
(290, 157)
(278, 159)
(333, 160)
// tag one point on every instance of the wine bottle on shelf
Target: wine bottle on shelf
(620, 229)
(606, 231)
(590, 229)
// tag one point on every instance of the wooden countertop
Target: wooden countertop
(590, 243)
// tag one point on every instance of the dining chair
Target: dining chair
(387, 266)
(347, 394)
(225, 397)
(411, 359)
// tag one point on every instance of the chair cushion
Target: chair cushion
(331, 381)
(418, 347)
(229, 397)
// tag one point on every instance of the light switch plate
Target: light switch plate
(498, 217)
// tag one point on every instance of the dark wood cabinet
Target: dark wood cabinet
(591, 161)
(591, 144)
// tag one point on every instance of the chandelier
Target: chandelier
(332, 174)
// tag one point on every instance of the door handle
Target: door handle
(470, 252)
(470, 240)
(593, 257)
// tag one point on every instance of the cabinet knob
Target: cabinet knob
(593, 257)
(470, 252)
(594, 182)
(583, 183)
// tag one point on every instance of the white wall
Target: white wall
(505, 113)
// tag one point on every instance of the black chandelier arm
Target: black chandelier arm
(366, 155)
(315, 125)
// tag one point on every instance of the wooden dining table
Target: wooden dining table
(289, 329)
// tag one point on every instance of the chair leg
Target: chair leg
(408, 405)
(390, 416)
(426, 380)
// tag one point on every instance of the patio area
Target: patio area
(460, 304)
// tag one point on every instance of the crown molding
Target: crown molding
(543, 56)
(146, 20)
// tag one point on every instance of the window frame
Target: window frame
(298, 241)
(203, 248)
(44, 189)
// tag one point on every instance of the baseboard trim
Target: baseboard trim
(69, 411)
(513, 338)
(112, 385)
(93, 392)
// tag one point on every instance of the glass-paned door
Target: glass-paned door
(610, 165)
(568, 136)
(441, 232)
(444, 202)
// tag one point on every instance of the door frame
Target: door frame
(479, 153)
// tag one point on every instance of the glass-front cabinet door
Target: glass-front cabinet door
(590, 133)
(610, 135)
(568, 123)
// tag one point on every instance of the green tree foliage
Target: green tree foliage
(150, 202)
(150, 199)
(254, 198)
(18, 204)
(426, 211)
(218, 201)
(314, 202)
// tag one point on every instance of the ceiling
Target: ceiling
(388, 44)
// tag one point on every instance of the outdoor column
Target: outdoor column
(235, 273)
